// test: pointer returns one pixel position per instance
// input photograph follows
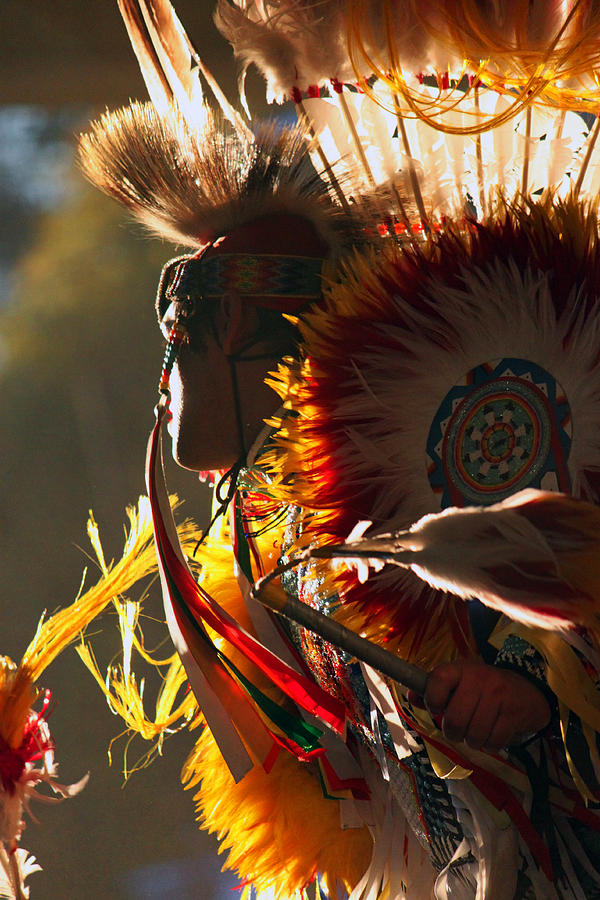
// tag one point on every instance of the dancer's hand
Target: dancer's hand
(484, 706)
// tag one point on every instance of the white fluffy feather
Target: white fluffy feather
(293, 43)
(313, 35)
(516, 556)
(500, 312)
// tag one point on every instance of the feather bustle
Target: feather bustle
(277, 830)
(423, 318)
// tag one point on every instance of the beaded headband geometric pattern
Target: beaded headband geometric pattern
(286, 283)
(264, 275)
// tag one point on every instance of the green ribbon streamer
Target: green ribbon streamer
(303, 734)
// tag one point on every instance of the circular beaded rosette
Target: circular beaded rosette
(504, 427)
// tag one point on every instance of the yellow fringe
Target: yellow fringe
(53, 635)
(126, 700)
(138, 561)
(277, 829)
(123, 691)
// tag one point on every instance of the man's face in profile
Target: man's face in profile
(218, 403)
(203, 424)
(219, 398)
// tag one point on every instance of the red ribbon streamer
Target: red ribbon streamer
(303, 691)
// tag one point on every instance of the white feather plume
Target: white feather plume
(299, 43)
(520, 556)
(293, 43)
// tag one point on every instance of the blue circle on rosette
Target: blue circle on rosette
(504, 427)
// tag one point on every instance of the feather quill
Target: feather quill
(164, 60)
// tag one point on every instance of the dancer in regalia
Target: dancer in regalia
(425, 299)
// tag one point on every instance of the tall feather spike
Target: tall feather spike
(414, 180)
(327, 167)
(152, 72)
(163, 56)
(170, 64)
(587, 158)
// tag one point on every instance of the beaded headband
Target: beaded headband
(287, 283)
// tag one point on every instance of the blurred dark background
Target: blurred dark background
(79, 360)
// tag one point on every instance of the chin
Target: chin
(185, 456)
(184, 462)
(197, 456)
(203, 438)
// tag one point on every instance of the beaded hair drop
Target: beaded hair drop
(177, 336)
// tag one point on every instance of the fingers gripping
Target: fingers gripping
(484, 706)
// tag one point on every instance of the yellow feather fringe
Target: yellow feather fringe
(277, 829)
(17, 683)
(123, 691)
(138, 561)
(53, 635)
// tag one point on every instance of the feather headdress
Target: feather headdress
(454, 101)
(444, 102)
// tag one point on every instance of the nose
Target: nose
(168, 320)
